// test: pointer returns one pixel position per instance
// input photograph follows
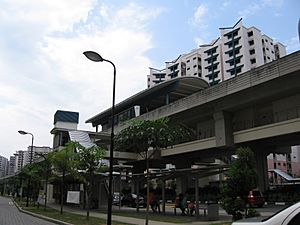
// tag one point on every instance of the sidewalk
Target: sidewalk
(132, 220)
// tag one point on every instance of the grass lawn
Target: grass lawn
(156, 217)
(67, 217)
(81, 220)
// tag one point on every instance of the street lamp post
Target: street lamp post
(30, 161)
(94, 56)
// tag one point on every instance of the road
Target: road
(10, 215)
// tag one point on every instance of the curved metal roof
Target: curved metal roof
(155, 97)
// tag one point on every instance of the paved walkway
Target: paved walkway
(10, 215)
(137, 221)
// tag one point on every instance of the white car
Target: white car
(287, 216)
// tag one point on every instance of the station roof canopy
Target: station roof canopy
(155, 97)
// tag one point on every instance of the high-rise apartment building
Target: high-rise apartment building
(3, 166)
(12, 165)
(22, 157)
(38, 150)
(237, 50)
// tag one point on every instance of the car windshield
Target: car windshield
(256, 193)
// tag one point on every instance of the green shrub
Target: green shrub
(252, 213)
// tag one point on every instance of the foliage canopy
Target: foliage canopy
(241, 178)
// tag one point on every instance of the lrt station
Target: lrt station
(259, 109)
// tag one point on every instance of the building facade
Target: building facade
(288, 163)
(3, 166)
(237, 50)
(12, 165)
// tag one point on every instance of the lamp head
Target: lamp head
(94, 56)
(22, 132)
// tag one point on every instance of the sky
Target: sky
(42, 68)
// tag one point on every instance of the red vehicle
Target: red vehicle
(255, 198)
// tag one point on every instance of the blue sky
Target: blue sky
(42, 68)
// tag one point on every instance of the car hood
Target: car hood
(251, 220)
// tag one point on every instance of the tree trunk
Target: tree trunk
(62, 193)
(88, 201)
(46, 190)
(147, 172)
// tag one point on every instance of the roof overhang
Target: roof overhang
(155, 96)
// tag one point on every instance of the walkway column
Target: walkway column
(223, 129)
(163, 196)
(262, 170)
(197, 195)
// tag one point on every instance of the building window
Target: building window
(236, 61)
(232, 34)
(253, 61)
(251, 42)
(195, 66)
(188, 61)
(235, 71)
(188, 68)
(266, 40)
(195, 74)
(148, 79)
(252, 51)
(250, 33)
(267, 49)
(194, 58)
(271, 43)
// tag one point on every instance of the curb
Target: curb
(40, 216)
(278, 203)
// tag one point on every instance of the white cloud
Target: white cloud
(199, 16)
(199, 41)
(43, 68)
(292, 44)
(254, 8)
(198, 21)
(54, 15)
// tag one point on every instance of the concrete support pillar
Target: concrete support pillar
(223, 129)
(163, 197)
(181, 184)
(197, 196)
(262, 170)
(102, 194)
(137, 193)
(167, 99)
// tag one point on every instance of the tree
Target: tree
(64, 162)
(46, 173)
(89, 162)
(33, 174)
(141, 135)
(241, 178)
